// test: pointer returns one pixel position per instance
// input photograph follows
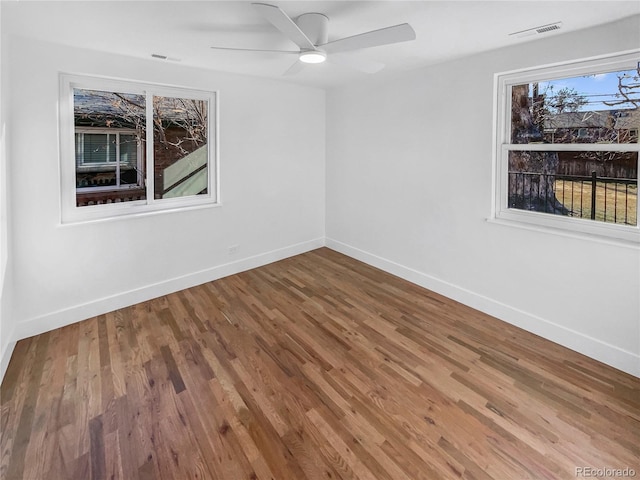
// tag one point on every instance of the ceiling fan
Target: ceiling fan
(310, 33)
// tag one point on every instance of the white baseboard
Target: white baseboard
(76, 313)
(626, 361)
(7, 351)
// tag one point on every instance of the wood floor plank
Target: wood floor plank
(315, 367)
(343, 449)
(97, 449)
(25, 427)
(39, 455)
(113, 457)
(130, 448)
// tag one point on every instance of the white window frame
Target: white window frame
(115, 165)
(502, 132)
(70, 212)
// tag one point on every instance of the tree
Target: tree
(122, 110)
(531, 174)
(566, 99)
(187, 115)
(628, 99)
(628, 86)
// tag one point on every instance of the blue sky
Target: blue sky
(597, 88)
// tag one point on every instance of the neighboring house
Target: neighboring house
(599, 126)
(627, 125)
(109, 146)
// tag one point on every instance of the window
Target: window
(567, 146)
(107, 160)
(129, 148)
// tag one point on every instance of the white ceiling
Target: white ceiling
(184, 30)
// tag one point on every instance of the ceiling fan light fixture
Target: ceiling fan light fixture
(312, 56)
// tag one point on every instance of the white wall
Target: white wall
(7, 326)
(272, 151)
(409, 172)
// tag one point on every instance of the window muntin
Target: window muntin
(121, 142)
(557, 136)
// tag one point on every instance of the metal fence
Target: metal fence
(605, 199)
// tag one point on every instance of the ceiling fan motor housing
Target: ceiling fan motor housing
(315, 27)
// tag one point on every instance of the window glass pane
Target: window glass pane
(128, 160)
(599, 108)
(180, 151)
(98, 148)
(128, 150)
(601, 186)
(108, 124)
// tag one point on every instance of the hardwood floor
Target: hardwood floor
(315, 367)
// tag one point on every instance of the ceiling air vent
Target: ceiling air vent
(537, 30)
(164, 57)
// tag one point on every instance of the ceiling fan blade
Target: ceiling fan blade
(362, 65)
(383, 36)
(283, 22)
(293, 69)
(254, 50)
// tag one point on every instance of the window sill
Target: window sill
(130, 210)
(633, 243)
